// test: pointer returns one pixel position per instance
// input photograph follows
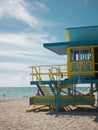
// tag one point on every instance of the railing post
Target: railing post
(32, 75)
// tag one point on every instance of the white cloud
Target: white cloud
(28, 42)
(17, 39)
(26, 39)
(10, 80)
(24, 45)
(19, 9)
(14, 53)
(41, 6)
(35, 55)
(13, 66)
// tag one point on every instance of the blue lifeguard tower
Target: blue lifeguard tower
(81, 49)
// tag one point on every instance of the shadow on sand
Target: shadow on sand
(77, 111)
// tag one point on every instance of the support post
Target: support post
(39, 87)
(57, 98)
(51, 88)
(69, 91)
(74, 94)
(97, 94)
(91, 93)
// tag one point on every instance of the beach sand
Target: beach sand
(14, 117)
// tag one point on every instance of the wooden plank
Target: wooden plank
(35, 107)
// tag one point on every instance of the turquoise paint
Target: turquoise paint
(60, 48)
(79, 37)
(85, 100)
(45, 100)
(31, 100)
(86, 67)
(76, 67)
(66, 100)
(57, 100)
(83, 33)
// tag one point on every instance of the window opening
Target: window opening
(80, 54)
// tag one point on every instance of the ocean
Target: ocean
(18, 92)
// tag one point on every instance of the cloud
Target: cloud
(19, 9)
(26, 39)
(13, 66)
(15, 54)
(21, 54)
(41, 6)
(10, 80)
(15, 39)
(25, 45)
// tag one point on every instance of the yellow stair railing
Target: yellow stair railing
(51, 75)
(38, 77)
(48, 71)
(45, 90)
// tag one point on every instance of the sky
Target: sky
(26, 24)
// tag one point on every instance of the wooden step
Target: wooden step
(35, 107)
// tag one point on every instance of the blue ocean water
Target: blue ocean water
(17, 92)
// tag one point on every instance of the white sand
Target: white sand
(14, 117)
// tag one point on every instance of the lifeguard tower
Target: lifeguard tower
(81, 49)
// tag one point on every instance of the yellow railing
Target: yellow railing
(91, 70)
(60, 72)
(51, 72)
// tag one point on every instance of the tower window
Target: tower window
(80, 54)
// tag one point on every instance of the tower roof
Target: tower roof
(79, 36)
(61, 47)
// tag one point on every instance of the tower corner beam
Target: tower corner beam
(67, 35)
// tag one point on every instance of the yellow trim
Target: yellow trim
(63, 96)
(68, 62)
(48, 73)
(67, 35)
(34, 99)
(54, 65)
(43, 97)
(35, 107)
(81, 63)
(52, 71)
(45, 90)
(67, 97)
(93, 59)
(51, 76)
(80, 47)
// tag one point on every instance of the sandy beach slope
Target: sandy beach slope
(14, 117)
